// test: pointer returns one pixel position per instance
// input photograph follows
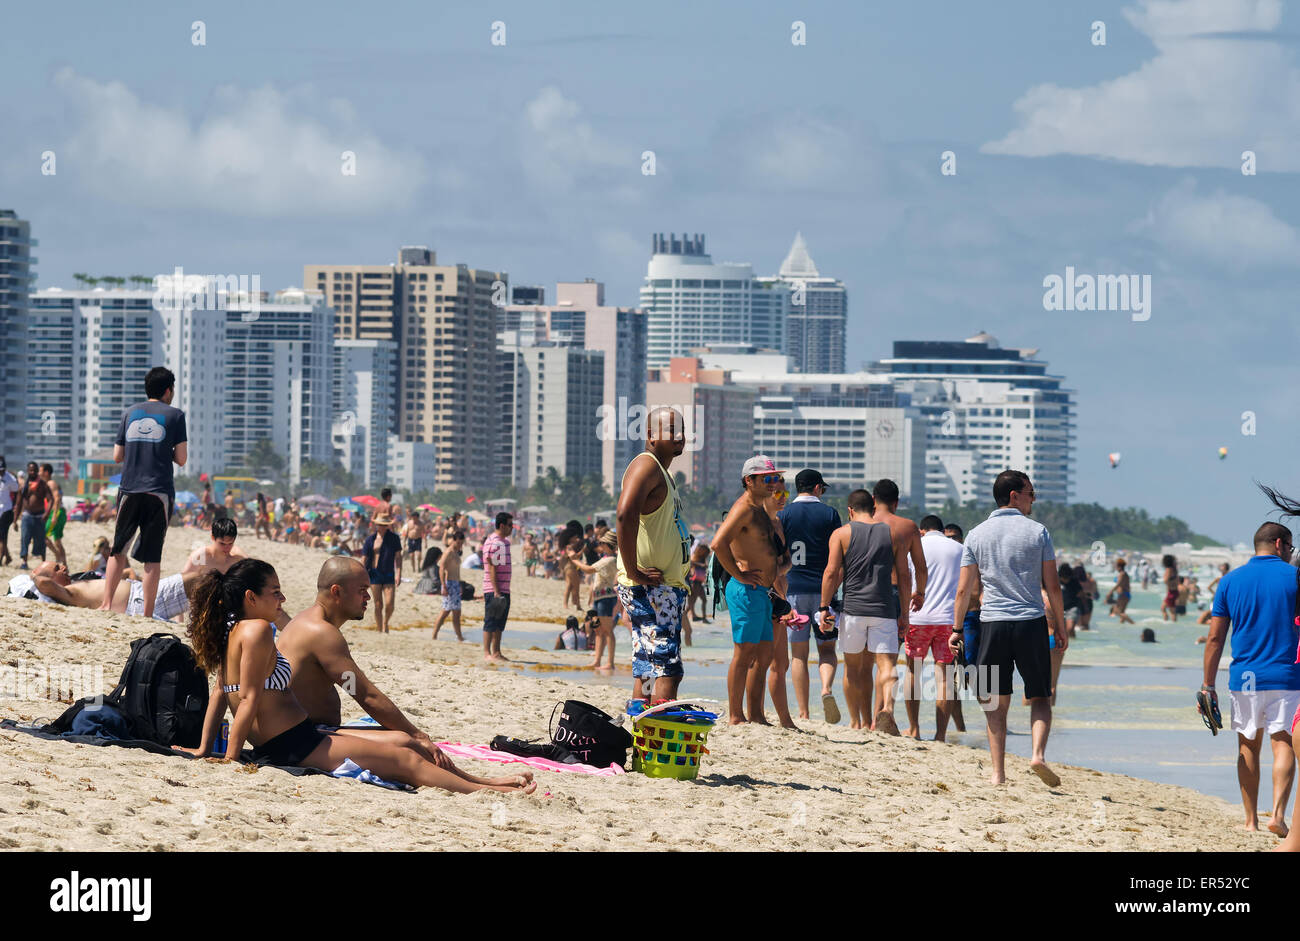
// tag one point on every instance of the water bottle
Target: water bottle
(223, 739)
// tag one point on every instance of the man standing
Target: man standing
(496, 587)
(1257, 602)
(32, 510)
(1013, 558)
(58, 516)
(862, 555)
(653, 548)
(414, 533)
(150, 440)
(382, 557)
(808, 525)
(1123, 593)
(751, 549)
(930, 627)
(8, 495)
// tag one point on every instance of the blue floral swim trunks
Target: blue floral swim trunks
(655, 622)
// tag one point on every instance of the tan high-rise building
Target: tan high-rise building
(445, 324)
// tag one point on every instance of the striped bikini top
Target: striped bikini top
(279, 679)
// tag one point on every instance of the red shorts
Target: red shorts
(923, 638)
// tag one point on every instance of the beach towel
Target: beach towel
(484, 753)
(354, 772)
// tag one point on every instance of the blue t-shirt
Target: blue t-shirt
(149, 434)
(808, 526)
(1009, 550)
(1259, 599)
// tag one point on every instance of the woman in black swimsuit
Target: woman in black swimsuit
(231, 634)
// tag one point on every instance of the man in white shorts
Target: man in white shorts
(862, 556)
(1258, 603)
(50, 582)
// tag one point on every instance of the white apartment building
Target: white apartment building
(412, 466)
(690, 302)
(818, 318)
(364, 406)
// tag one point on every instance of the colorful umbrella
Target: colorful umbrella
(367, 500)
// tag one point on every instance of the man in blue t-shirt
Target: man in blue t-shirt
(150, 440)
(808, 525)
(1258, 603)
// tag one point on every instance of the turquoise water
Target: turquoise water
(1122, 706)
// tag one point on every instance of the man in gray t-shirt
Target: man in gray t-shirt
(1012, 557)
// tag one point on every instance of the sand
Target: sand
(825, 788)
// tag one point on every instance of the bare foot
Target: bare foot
(761, 720)
(489, 659)
(501, 658)
(592, 665)
(737, 720)
(789, 724)
(512, 780)
(998, 778)
(517, 786)
(1278, 827)
(913, 733)
(1250, 827)
(1048, 776)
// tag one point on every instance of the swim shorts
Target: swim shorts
(751, 612)
(872, 635)
(1021, 645)
(54, 527)
(451, 600)
(1272, 710)
(654, 614)
(170, 601)
(925, 638)
(147, 513)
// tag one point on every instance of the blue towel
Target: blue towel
(350, 769)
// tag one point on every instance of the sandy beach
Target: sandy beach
(826, 788)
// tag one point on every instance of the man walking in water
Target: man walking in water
(1013, 558)
(751, 549)
(862, 556)
(150, 440)
(808, 524)
(653, 554)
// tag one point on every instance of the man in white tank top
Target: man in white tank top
(931, 626)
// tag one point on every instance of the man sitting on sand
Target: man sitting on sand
(220, 554)
(50, 582)
(321, 659)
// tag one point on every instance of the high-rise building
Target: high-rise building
(16, 281)
(364, 406)
(278, 368)
(581, 318)
(999, 404)
(444, 319)
(690, 302)
(550, 398)
(818, 315)
(412, 466)
(719, 422)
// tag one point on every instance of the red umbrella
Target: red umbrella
(367, 500)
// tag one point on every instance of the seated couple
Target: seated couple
(50, 582)
(283, 698)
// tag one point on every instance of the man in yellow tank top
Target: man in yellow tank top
(653, 555)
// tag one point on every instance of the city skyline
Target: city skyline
(755, 139)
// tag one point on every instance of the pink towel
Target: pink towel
(484, 753)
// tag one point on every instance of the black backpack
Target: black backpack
(590, 734)
(162, 693)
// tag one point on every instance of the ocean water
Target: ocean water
(1122, 706)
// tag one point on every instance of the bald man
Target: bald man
(51, 583)
(653, 555)
(321, 659)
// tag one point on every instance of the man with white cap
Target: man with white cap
(750, 546)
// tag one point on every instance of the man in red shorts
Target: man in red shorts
(931, 626)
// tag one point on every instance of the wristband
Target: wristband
(824, 607)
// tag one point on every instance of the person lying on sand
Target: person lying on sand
(231, 635)
(51, 583)
(321, 660)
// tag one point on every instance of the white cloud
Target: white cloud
(1232, 232)
(257, 152)
(562, 150)
(1200, 101)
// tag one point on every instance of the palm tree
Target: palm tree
(141, 280)
(81, 278)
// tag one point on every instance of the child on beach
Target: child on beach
(573, 572)
(449, 571)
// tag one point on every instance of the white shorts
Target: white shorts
(171, 599)
(875, 635)
(1269, 709)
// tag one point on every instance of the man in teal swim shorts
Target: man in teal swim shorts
(751, 547)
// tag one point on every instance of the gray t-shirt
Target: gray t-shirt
(1009, 550)
(149, 434)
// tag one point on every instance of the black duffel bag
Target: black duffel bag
(590, 734)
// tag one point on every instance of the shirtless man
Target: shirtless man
(751, 547)
(1122, 593)
(907, 542)
(862, 554)
(220, 554)
(314, 645)
(413, 533)
(449, 571)
(58, 515)
(51, 583)
(653, 544)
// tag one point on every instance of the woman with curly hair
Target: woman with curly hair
(232, 635)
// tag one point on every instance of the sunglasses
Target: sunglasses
(771, 478)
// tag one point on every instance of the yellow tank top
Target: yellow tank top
(662, 541)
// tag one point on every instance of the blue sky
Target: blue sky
(1114, 159)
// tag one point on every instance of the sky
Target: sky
(527, 156)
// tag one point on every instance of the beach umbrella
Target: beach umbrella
(314, 498)
(431, 508)
(186, 498)
(367, 500)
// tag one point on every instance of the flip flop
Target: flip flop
(1210, 714)
(830, 709)
(795, 619)
(886, 723)
(1046, 775)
